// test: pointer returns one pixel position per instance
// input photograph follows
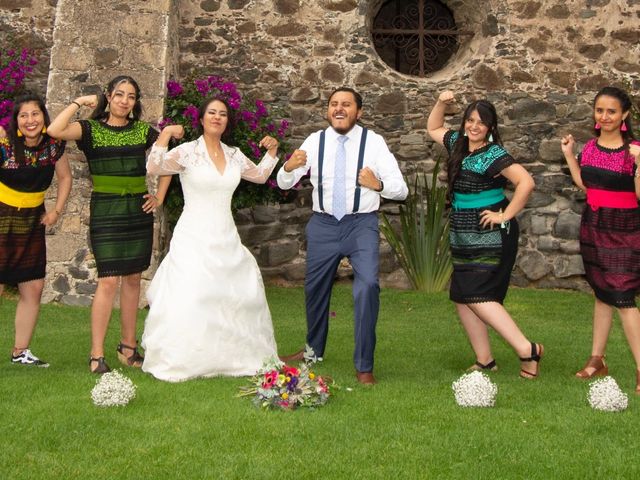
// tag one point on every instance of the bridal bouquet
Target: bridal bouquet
(113, 389)
(277, 386)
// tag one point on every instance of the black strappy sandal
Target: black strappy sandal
(491, 366)
(133, 360)
(102, 366)
(537, 351)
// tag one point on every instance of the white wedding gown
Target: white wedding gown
(208, 311)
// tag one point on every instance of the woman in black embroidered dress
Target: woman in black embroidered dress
(483, 229)
(29, 157)
(115, 142)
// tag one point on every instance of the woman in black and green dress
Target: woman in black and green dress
(483, 228)
(29, 157)
(115, 142)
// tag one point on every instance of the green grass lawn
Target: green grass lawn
(407, 426)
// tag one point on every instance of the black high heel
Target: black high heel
(133, 360)
(537, 351)
(102, 366)
(491, 366)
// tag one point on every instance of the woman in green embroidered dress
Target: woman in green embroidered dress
(483, 229)
(115, 142)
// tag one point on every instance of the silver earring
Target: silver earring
(465, 133)
(490, 137)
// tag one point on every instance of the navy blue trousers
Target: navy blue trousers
(328, 241)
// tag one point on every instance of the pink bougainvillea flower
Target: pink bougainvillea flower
(174, 89)
(192, 112)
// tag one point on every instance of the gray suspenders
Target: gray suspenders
(356, 198)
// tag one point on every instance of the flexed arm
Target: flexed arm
(435, 122)
(567, 143)
(61, 129)
(160, 161)
(260, 173)
(635, 151)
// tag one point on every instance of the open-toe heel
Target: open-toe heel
(101, 365)
(491, 366)
(537, 351)
(595, 362)
(133, 360)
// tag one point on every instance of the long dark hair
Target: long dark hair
(16, 141)
(100, 112)
(231, 119)
(625, 104)
(489, 117)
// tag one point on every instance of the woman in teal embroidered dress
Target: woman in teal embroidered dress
(483, 229)
(115, 142)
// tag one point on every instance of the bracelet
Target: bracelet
(502, 222)
(79, 106)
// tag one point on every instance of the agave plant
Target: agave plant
(421, 244)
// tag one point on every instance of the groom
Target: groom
(351, 167)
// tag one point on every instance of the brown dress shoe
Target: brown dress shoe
(294, 357)
(366, 378)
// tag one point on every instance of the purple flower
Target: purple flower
(254, 149)
(174, 89)
(202, 86)
(191, 112)
(271, 183)
(164, 122)
(246, 115)
(261, 111)
(291, 386)
(270, 128)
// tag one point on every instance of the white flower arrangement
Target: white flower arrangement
(475, 389)
(605, 395)
(113, 389)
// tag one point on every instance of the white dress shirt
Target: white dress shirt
(376, 156)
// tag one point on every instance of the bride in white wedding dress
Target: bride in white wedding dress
(208, 311)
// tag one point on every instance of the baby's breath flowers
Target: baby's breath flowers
(113, 389)
(605, 395)
(475, 389)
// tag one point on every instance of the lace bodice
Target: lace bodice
(162, 161)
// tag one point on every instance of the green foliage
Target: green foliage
(422, 242)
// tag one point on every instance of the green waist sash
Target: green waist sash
(119, 185)
(477, 200)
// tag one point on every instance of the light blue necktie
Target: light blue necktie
(339, 183)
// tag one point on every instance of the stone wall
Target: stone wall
(29, 24)
(540, 62)
(136, 38)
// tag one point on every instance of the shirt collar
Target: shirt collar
(353, 134)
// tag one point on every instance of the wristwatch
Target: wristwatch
(381, 186)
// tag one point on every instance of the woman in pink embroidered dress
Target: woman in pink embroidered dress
(607, 170)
